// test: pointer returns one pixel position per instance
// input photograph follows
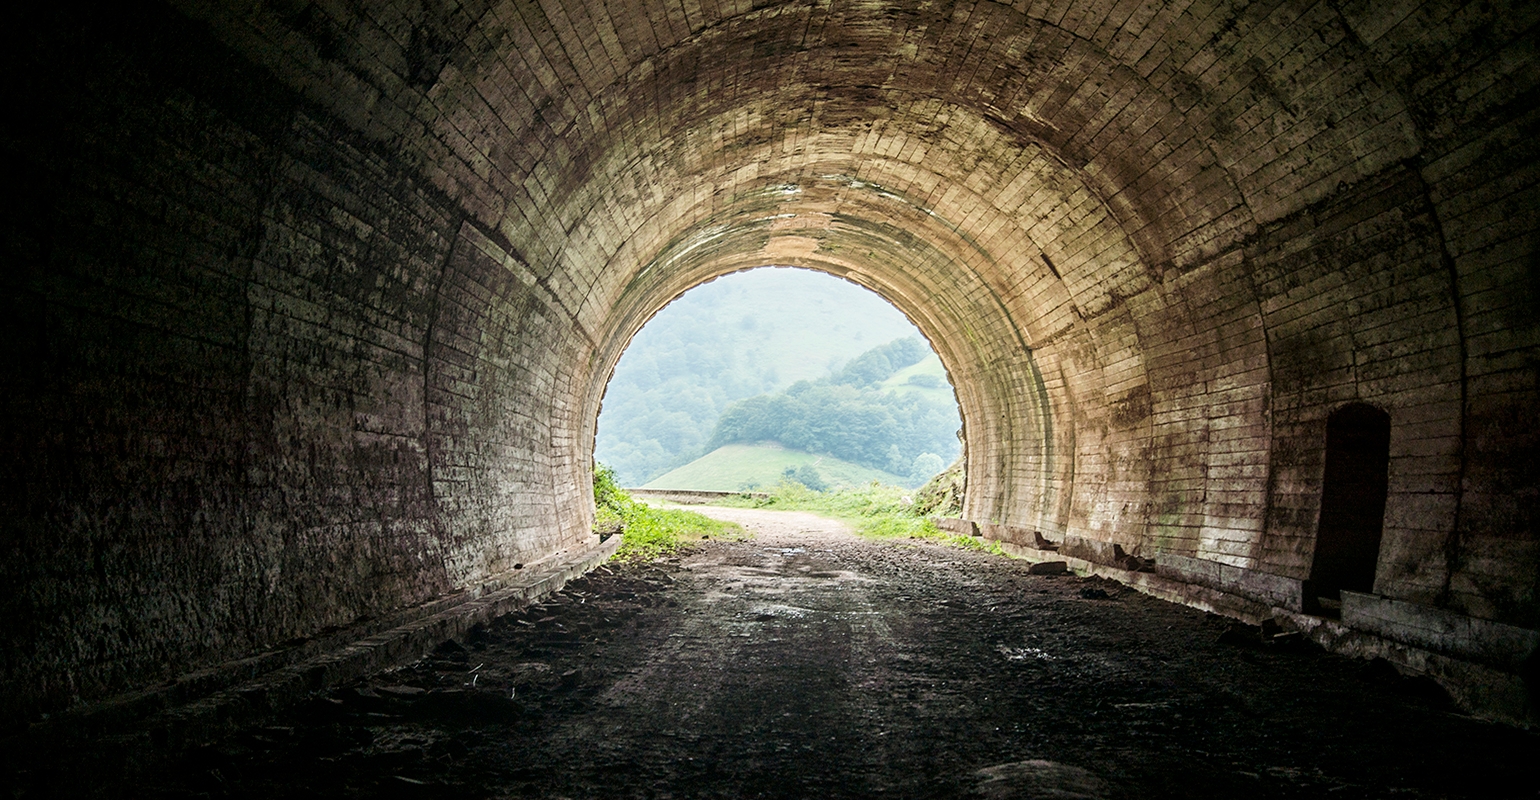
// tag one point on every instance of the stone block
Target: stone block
(1088, 549)
(1263, 587)
(962, 527)
(1015, 534)
(1189, 570)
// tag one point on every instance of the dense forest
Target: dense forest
(758, 333)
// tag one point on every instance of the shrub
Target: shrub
(647, 532)
(807, 475)
(611, 503)
(942, 495)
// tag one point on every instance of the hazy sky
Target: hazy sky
(803, 322)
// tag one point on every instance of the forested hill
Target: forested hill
(852, 416)
(735, 337)
(879, 363)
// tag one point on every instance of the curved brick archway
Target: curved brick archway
(314, 304)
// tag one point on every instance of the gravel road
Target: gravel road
(805, 662)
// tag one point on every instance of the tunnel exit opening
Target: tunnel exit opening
(1354, 487)
(778, 373)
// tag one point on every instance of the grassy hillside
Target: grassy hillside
(736, 466)
(927, 379)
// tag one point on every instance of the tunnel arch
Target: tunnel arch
(1179, 197)
(883, 253)
(389, 251)
(972, 396)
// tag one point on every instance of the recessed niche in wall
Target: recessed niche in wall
(1347, 545)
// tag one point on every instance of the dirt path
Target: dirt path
(765, 522)
(806, 662)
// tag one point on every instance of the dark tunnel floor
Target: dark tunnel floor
(816, 664)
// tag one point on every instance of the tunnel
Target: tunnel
(310, 307)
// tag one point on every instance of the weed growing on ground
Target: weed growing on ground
(648, 533)
(876, 511)
(655, 532)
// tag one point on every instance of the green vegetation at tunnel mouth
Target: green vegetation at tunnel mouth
(648, 532)
(874, 511)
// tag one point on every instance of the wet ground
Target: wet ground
(806, 662)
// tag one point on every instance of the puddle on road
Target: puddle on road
(777, 610)
(1025, 654)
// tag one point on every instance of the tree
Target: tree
(925, 466)
(807, 475)
(851, 420)
(879, 363)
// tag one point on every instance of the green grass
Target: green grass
(648, 532)
(656, 532)
(736, 467)
(928, 366)
(876, 512)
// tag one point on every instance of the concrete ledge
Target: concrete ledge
(1261, 587)
(1204, 598)
(166, 720)
(1030, 554)
(1482, 690)
(1504, 647)
(690, 497)
(962, 527)
(1264, 587)
(1092, 550)
(1015, 534)
(193, 686)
